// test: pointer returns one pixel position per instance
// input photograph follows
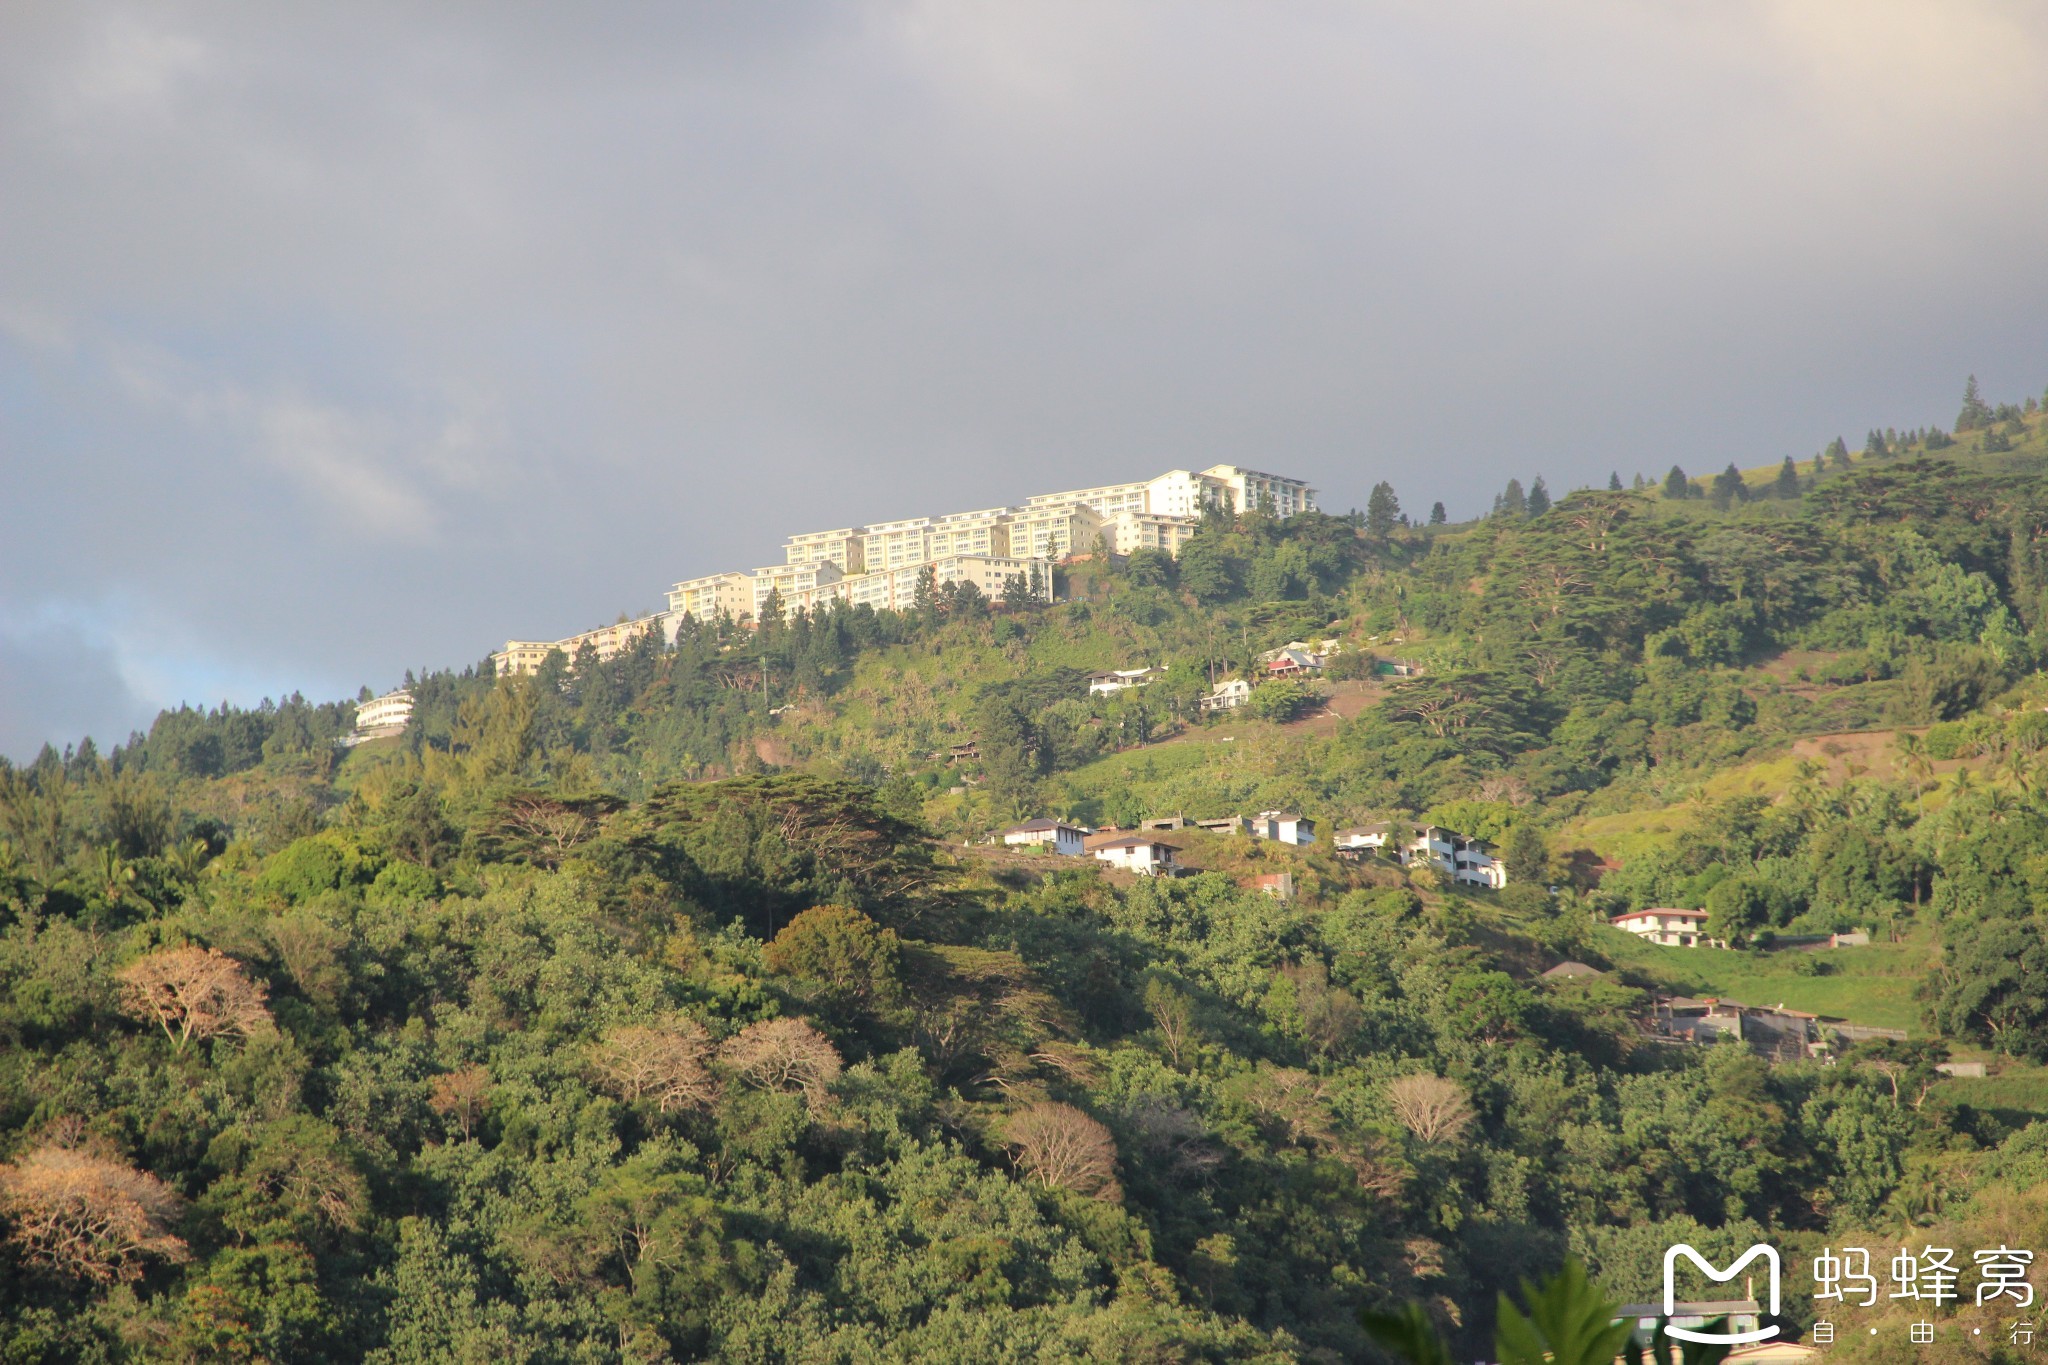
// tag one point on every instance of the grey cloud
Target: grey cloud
(361, 339)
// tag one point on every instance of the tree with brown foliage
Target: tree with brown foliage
(783, 1054)
(86, 1215)
(194, 992)
(664, 1064)
(1431, 1107)
(1063, 1149)
(464, 1094)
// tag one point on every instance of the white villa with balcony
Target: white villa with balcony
(1459, 857)
(1672, 928)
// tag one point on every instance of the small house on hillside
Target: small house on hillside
(1227, 696)
(1135, 853)
(1056, 836)
(1164, 824)
(1572, 971)
(1116, 680)
(1278, 885)
(1226, 824)
(1293, 663)
(1283, 827)
(970, 752)
(1672, 928)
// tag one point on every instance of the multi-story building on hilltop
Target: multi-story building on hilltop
(894, 544)
(1245, 489)
(1181, 493)
(525, 656)
(896, 589)
(1055, 531)
(1152, 531)
(709, 597)
(970, 533)
(845, 548)
(382, 717)
(797, 585)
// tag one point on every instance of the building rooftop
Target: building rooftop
(1039, 825)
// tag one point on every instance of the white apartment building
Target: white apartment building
(845, 548)
(803, 586)
(1054, 531)
(893, 544)
(896, 589)
(970, 533)
(706, 598)
(525, 656)
(1133, 531)
(1249, 488)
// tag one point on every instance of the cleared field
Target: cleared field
(1874, 985)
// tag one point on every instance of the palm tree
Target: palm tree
(1913, 757)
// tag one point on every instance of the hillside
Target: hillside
(676, 1007)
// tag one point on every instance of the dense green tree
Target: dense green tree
(1676, 486)
(1382, 510)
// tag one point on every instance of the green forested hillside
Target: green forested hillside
(670, 1007)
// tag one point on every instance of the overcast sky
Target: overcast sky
(338, 340)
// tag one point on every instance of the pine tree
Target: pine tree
(1875, 447)
(1437, 515)
(1614, 482)
(1382, 510)
(1976, 412)
(1676, 486)
(1838, 453)
(1788, 479)
(1539, 497)
(1640, 482)
(1512, 502)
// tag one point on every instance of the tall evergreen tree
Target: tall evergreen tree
(1976, 412)
(1614, 482)
(1512, 502)
(1838, 453)
(1788, 479)
(1676, 486)
(1539, 497)
(1875, 447)
(1382, 510)
(1640, 482)
(1437, 515)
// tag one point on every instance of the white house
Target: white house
(1672, 928)
(1227, 696)
(1056, 835)
(1283, 827)
(1116, 680)
(1449, 853)
(1146, 857)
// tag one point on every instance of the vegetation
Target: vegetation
(669, 1007)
